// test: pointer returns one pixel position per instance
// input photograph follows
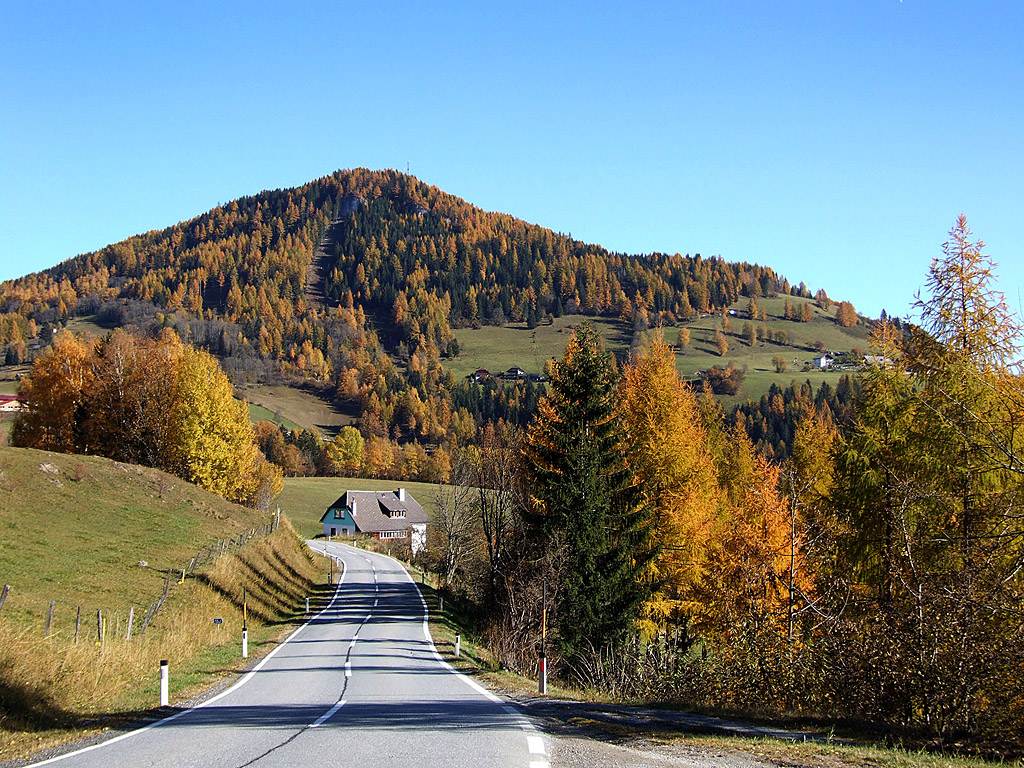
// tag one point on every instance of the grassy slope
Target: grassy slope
(298, 408)
(79, 535)
(499, 348)
(305, 499)
(79, 543)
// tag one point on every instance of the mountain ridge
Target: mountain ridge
(356, 283)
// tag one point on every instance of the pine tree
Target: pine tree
(587, 509)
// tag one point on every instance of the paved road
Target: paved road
(361, 684)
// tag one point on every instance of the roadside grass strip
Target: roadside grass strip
(245, 679)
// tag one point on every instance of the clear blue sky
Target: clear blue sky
(835, 141)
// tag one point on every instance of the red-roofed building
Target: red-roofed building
(11, 404)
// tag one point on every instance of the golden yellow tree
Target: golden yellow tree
(54, 397)
(212, 440)
(669, 450)
(754, 587)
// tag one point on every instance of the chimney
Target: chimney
(353, 507)
(401, 494)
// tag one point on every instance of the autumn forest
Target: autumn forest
(851, 551)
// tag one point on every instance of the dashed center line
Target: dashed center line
(327, 715)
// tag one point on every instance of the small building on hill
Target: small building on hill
(384, 514)
(10, 404)
(514, 373)
(822, 361)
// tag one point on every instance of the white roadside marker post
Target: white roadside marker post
(163, 682)
(245, 625)
(458, 645)
(542, 676)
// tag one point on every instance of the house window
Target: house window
(393, 534)
(338, 514)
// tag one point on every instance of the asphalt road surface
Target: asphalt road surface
(360, 684)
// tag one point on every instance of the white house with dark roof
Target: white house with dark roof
(384, 514)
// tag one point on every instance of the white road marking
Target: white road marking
(327, 715)
(246, 678)
(348, 669)
(521, 721)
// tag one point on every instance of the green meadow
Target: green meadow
(499, 348)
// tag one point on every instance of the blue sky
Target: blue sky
(834, 141)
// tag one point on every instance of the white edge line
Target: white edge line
(521, 720)
(248, 676)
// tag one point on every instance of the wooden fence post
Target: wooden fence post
(49, 619)
(3, 595)
(131, 618)
(78, 622)
(145, 621)
(99, 625)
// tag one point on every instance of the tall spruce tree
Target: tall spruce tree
(588, 510)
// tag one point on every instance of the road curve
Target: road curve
(360, 684)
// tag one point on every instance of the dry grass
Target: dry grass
(476, 661)
(53, 689)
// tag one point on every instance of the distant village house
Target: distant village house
(879, 360)
(11, 404)
(822, 361)
(383, 514)
(515, 372)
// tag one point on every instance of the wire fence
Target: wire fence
(109, 624)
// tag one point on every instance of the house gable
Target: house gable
(384, 514)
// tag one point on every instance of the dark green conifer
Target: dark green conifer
(589, 513)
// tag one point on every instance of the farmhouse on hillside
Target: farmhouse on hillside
(823, 361)
(384, 514)
(11, 404)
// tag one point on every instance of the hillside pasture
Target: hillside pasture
(294, 408)
(75, 529)
(498, 348)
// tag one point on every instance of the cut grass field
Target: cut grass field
(101, 535)
(305, 499)
(499, 348)
(296, 408)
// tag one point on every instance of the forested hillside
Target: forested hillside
(404, 264)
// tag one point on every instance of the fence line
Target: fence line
(204, 557)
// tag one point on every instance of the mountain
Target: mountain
(358, 284)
